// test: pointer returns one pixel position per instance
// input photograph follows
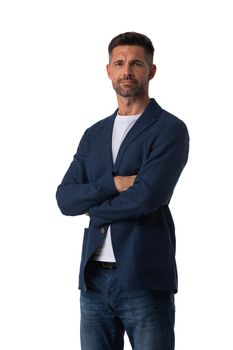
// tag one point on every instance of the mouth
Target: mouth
(128, 82)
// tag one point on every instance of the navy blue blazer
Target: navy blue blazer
(142, 229)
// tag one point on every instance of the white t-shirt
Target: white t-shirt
(122, 125)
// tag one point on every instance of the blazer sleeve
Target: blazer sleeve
(155, 182)
(75, 195)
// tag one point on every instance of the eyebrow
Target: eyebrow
(137, 61)
(133, 61)
(117, 61)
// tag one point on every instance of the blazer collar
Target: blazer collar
(148, 117)
(152, 111)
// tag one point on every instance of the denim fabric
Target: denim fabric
(107, 312)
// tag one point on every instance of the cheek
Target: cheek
(143, 78)
(112, 77)
(116, 76)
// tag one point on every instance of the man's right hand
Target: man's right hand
(123, 183)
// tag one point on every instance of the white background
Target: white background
(54, 86)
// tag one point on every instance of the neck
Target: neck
(132, 105)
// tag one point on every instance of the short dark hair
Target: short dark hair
(133, 38)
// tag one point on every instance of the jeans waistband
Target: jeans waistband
(105, 264)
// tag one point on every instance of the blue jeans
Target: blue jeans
(107, 312)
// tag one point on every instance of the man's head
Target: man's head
(133, 38)
(131, 65)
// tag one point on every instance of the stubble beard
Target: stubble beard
(134, 91)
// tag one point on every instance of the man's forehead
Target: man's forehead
(128, 50)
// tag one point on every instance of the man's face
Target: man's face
(130, 71)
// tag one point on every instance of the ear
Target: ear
(152, 72)
(108, 70)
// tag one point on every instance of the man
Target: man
(123, 176)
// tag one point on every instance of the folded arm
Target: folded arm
(154, 184)
(123, 183)
(75, 195)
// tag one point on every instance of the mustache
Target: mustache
(127, 78)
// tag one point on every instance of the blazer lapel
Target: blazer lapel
(107, 139)
(147, 118)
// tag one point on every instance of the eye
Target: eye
(118, 64)
(138, 64)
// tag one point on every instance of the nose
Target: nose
(127, 76)
(127, 71)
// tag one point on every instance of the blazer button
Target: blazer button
(103, 230)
